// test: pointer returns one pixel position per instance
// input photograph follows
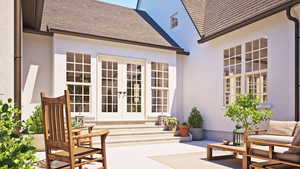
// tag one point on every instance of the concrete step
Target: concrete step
(128, 128)
(140, 135)
(123, 122)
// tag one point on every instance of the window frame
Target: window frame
(82, 84)
(164, 98)
(244, 86)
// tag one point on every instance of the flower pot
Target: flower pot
(197, 134)
(184, 131)
(38, 141)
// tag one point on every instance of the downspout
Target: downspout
(296, 21)
(17, 54)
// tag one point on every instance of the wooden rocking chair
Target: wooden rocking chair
(59, 139)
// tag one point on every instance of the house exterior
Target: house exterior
(124, 64)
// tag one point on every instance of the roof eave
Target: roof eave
(90, 36)
(249, 21)
(32, 13)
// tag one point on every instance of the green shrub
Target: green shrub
(245, 114)
(195, 119)
(184, 124)
(76, 123)
(170, 122)
(34, 123)
(16, 151)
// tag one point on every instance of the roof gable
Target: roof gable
(97, 18)
(214, 16)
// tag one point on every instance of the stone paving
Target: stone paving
(143, 156)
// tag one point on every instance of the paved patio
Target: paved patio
(164, 156)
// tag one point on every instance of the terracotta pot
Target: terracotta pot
(184, 131)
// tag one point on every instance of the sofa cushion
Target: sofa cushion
(272, 138)
(281, 128)
(284, 156)
(296, 142)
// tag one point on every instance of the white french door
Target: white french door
(121, 89)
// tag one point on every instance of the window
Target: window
(174, 20)
(255, 61)
(78, 81)
(109, 86)
(256, 68)
(232, 73)
(160, 87)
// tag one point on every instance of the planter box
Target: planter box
(197, 134)
(38, 141)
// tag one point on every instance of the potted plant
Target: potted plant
(16, 150)
(245, 114)
(170, 123)
(184, 129)
(35, 128)
(196, 121)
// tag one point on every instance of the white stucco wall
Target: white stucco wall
(7, 49)
(37, 70)
(63, 44)
(203, 68)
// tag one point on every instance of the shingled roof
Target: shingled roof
(213, 16)
(108, 21)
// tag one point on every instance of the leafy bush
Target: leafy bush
(16, 151)
(245, 114)
(34, 123)
(195, 119)
(184, 124)
(76, 123)
(170, 122)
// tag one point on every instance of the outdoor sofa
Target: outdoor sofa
(279, 143)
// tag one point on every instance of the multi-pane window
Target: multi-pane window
(109, 86)
(255, 62)
(134, 87)
(78, 81)
(256, 68)
(174, 20)
(160, 87)
(232, 73)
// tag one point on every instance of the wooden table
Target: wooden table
(220, 146)
(77, 131)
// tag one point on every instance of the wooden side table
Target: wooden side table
(84, 142)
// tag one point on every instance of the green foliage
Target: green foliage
(76, 123)
(34, 123)
(170, 122)
(245, 114)
(16, 151)
(184, 124)
(195, 119)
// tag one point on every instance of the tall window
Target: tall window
(160, 87)
(79, 81)
(232, 73)
(174, 20)
(256, 68)
(255, 61)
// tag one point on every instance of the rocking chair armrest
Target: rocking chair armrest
(94, 134)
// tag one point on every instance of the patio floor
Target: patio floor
(164, 156)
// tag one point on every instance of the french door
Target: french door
(121, 85)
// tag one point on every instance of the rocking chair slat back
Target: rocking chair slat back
(57, 122)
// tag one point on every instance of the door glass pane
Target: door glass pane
(109, 87)
(134, 87)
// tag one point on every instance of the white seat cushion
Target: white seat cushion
(272, 138)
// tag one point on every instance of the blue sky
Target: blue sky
(127, 3)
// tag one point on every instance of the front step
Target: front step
(133, 134)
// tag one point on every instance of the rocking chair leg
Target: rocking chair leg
(103, 146)
(80, 167)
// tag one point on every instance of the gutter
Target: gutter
(296, 22)
(17, 55)
(90, 36)
(249, 21)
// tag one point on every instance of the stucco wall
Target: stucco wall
(37, 70)
(7, 49)
(203, 69)
(63, 44)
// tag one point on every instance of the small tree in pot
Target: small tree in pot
(245, 114)
(35, 128)
(196, 121)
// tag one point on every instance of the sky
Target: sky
(127, 3)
